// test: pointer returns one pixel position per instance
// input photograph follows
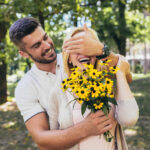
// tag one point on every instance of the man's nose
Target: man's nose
(46, 45)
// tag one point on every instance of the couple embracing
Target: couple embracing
(52, 123)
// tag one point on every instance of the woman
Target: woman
(126, 112)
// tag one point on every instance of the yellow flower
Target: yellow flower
(98, 106)
(89, 66)
(105, 62)
(103, 94)
(102, 87)
(93, 73)
(64, 84)
(75, 74)
(82, 93)
(108, 82)
(95, 93)
(111, 95)
(94, 90)
(80, 101)
(113, 69)
(74, 87)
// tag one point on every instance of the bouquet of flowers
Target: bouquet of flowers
(93, 89)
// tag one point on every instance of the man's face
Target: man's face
(39, 47)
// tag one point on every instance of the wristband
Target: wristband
(105, 52)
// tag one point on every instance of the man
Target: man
(34, 89)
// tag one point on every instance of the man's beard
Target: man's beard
(42, 60)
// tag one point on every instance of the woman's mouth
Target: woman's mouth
(84, 60)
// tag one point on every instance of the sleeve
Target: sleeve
(26, 99)
(127, 112)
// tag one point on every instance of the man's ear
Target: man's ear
(23, 54)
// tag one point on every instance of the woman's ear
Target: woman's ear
(69, 62)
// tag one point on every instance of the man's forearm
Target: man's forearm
(61, 139)
(38, 126)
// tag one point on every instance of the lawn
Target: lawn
(14, 135)
(138, 137)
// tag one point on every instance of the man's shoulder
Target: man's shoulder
(25, 82)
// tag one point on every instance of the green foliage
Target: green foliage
(114, 20)
(139, 26)
(83, 108)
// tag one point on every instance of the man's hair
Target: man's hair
(21, 28)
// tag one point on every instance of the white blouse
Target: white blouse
(61, 114)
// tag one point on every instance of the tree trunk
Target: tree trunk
(120, 38)
(122, 27)
(3, 82)
(121, 43)
(41, 19)
(3, 66)
(145, 59)
(122, 46)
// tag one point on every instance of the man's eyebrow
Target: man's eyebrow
(38, 41)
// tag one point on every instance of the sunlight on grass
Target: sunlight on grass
(130, 132)
(9, 124)
(10, 99)
(8, 106)
(139, 76)
(138, 94)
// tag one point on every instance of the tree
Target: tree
(43, 10)
(110, 20)
(5, 14)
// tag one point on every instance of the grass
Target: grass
(14, 135)
(141, 137)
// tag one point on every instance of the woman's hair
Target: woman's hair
(67, 66)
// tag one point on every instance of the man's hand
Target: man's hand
(38, 126)
(86, 44)
(97, 123)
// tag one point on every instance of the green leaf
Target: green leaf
(110, 74)
(83, 108)
(115, 83)
(71, 102)
(105, 110)
(112, 100)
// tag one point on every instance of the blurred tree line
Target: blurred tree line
(114, 20)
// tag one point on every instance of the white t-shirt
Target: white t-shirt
(33, 92)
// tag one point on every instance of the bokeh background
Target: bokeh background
(124, 25)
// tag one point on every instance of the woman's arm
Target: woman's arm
(127, 111)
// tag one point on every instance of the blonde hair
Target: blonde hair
(67, 67)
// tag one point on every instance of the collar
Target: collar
(39, 72)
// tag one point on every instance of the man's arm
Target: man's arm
(94, 124)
